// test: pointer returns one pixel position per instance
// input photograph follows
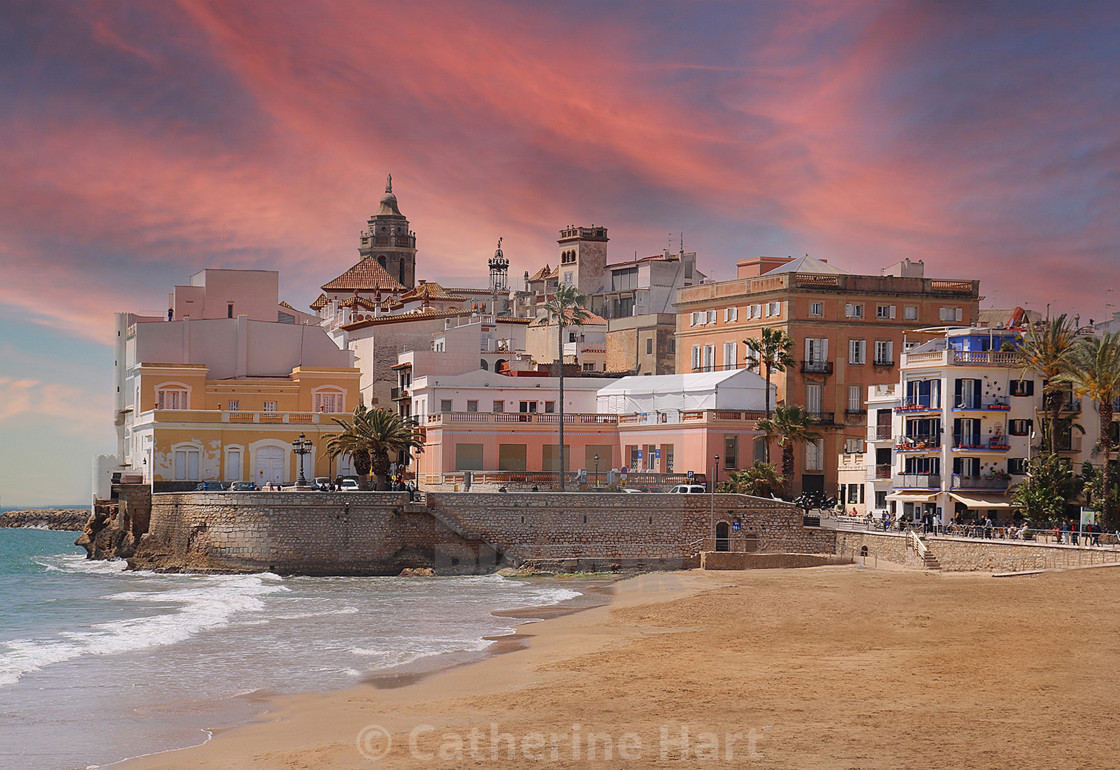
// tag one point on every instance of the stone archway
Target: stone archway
(723, 536)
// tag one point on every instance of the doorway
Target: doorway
(723, 536)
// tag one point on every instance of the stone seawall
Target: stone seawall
(65, 519)
(969, 555)
(382, 533)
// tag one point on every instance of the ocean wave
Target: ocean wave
(203, 604)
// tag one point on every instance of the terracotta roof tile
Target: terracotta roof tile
(318, 303)
(367, 275)
(427, 290)
(540, 275)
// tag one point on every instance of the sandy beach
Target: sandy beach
(833, 667)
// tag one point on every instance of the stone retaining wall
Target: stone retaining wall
(382, 533)
(967, 555)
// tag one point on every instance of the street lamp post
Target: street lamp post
(301, 446)
(712, 512)
(596, 471)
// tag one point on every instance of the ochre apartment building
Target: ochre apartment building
(848, 332)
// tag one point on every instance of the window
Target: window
(499, 407)
(696, 358)
(472, 405)
(910, 313)
(857, 351)
(950, 314)
(814, 455)
(229, 310)
(853, 446)
(445, 405)
(884, 311)
(853, 310)
(730, 355)
(186, 464)
(816, 350)
(1019, 427)
(527, 407)
(855, 399)
(816, 309)
(649, 346)
(234, 405)
(773, 308)
(589, 367)
(1022, 387)
(711, 316)
(881, 498)
(756, 311)
(730, 452)
(884, 352)
(328, 402)
(549, 407)
(709, 357)
(813, 399)
(1017, 466)
(171, 398)
(730, 314)
(269, 406)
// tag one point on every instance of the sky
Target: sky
(142, 142)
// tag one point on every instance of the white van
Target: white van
(685, 489)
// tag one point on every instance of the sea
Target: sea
(98, 664)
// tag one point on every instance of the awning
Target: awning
(983, 501)
(912, 497)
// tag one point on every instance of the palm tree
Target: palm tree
(1043, 351)
(371, 437)
(771, 353)
(791, 425)
(567, 307)
(1093, 369)
(760, 479)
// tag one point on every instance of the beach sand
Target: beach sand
(832, 667)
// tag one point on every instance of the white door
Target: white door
(271, 463)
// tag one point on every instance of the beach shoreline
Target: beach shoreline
(838, 666)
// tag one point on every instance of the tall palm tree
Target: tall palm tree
(771, 353)
(371, 437)
(791, 425)
(566, 308)
(1093, 369)
(1043, 351)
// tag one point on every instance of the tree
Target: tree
(791, 425)
(1093, 369)
(769, 353)
(370, 437)
(566, 308)
(1043, 351)
(760, 479)
(1049, 487)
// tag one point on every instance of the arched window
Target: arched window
(483, 364)
(172, 395)
(329, 399)
(381, 260)
(400, 273)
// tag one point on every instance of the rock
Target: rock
(417, 572)
(65, 519)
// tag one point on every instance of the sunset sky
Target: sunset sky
(142, 142)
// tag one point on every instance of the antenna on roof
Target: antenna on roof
(682, 242)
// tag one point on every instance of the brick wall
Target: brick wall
(381, 533)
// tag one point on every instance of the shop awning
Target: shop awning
(912, 497)
(983, 501)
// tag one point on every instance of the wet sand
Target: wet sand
(833, 667)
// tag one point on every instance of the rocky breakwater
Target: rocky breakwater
(65, 519)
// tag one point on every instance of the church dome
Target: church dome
(389, 201)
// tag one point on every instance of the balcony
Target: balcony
(879, 433)
(990, 483)
(918, 443)
(824, 418)
(816, 367)
(976, 444)
(976, 404)
(962, 358)
(912, 406)
(514, 418)
(399, 394)
(880, 472)
(1069, 444)
(919, 481)
(883, 362)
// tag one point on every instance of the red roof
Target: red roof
(367, 275)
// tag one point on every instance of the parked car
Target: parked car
(628, 490)
(322, 481)
(210, 486)
(686, 489)
(349, 485)
(243, 486)
(653, 489)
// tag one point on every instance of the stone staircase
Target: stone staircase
(930, 561)
(915, 541)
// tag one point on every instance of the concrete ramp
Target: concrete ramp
(716, 560)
